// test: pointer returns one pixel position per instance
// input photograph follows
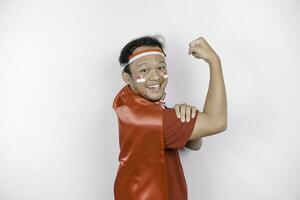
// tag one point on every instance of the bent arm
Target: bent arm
(213, 119)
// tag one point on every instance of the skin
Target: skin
(153, 68)
(213, 119)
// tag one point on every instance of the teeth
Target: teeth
(153, 86)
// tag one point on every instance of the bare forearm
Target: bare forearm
(216, 103)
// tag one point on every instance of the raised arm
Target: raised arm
(213, 119)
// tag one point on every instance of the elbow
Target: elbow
(220, 123)
(223, 129)
(222, 126)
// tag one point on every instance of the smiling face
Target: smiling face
(152, 69)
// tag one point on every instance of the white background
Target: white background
(59, 73)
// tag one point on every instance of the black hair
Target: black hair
(129, 48)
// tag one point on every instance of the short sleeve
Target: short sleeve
(176, 133)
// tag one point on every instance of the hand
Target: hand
(200, 49)
(185, 112)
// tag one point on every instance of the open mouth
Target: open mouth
(154, 88)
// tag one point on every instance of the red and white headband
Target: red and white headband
(136, 55)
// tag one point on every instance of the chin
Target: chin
(154, 98)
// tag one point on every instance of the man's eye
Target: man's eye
(161, 68)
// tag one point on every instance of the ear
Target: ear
(126, 77)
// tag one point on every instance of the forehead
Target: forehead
(148, 58)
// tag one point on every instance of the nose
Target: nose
(155, 75)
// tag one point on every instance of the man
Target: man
(150, 134)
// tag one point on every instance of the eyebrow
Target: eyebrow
(162, 61)
(142, 63)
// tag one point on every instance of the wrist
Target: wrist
(214, 60)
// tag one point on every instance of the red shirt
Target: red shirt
(149, 138)
(176, 134)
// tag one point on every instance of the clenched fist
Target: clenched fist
(200, 49)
